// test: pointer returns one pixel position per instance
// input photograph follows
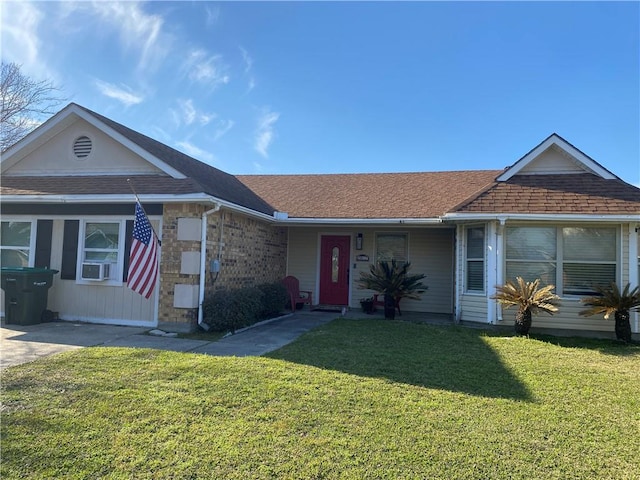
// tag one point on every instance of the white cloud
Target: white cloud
(222, 127)
(213, 13)
(248, 65)
(190, 115)
(137, 29)
(20, 40)
(265, 132)
(195, 152)
(123, 94)
(248, 61)
(204, 68)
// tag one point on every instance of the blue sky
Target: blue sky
(333, 87)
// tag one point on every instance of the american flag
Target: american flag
(143, 260)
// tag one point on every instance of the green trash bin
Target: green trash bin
(26, 291)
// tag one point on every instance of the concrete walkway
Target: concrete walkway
(26, 343)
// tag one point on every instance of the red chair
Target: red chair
(293, 290)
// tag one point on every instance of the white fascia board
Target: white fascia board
(192, 198)
(240, 209)
(569, 217)
(554, 139)
(116, 198)
(120, 198)
(361, 221)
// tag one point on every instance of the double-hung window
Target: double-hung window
(16, 243)
(392, 246)
(574, 259)
(474, 253)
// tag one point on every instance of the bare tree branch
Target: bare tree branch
(25, 104)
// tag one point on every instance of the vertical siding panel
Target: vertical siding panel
(431, 254)
(303, 255)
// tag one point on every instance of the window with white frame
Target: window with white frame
(531, 254)
(474, 259)
(102, 243)
(392, 246)
(574, 259)
(15, 243)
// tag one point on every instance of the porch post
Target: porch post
(492, 269)
(634, 238)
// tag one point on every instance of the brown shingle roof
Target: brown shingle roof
(97, 185)
(569, 194)
(212, 181)
(370, 195)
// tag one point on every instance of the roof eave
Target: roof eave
(145, 198)
(549, 217)
(360, 221)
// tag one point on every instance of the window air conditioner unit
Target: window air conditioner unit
(96, 271)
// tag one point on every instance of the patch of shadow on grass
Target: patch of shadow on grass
(448, 358)
(604, 346)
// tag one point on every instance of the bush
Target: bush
(229, 310)
(274, 299)
(232, 309)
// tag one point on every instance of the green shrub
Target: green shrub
(232, 309)
(274, 299)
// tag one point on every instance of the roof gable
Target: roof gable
(80, 150)
(581, 194)
(172, 163)
(555, 156)
(65, 119)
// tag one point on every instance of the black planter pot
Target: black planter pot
(623, 326)
(389, 307)
(368, 307)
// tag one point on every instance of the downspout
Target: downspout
(203, 264)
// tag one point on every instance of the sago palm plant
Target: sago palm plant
(394, 281)
(611, 301)
(529, 298)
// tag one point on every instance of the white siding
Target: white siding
(95, 303)
(107, 156)
(473, 308)
(568, 317)
(430, 252)
(302, 261)
(552, 161)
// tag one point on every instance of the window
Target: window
(102, 242)
(589, 258)
(474, 281)
(391, 246)
(15, 243)
(574, 259)
(531, 254)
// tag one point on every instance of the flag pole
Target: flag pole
(130, 183)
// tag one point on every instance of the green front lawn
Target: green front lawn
(353, 399)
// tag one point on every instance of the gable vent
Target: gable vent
(82, 147)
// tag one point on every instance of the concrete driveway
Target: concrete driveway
(26, 343)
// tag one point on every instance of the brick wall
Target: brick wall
(251, 252)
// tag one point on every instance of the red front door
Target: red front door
(334, 270)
